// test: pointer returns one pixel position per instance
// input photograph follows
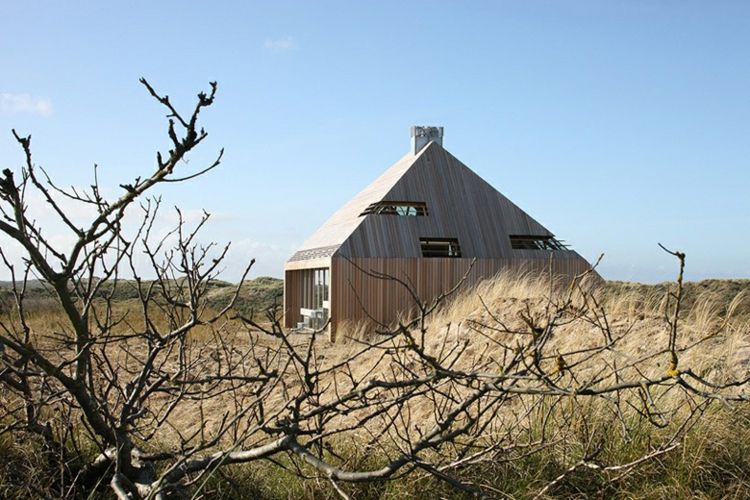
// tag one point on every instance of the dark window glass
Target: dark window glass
(440, 247)
(400, 208)
(527, 242)
(315, 291)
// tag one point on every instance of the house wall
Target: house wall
(292, 297)
(293, 287)
(358, 297)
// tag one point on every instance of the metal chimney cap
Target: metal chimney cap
(421, 136)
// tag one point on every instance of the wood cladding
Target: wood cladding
(357, 296)
(456, 206)
(293, 290)
(461, 205)
(457, 201)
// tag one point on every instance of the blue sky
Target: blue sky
(616, 124)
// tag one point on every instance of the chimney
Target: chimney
(421, 137)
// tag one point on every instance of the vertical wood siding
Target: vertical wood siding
(357, 297)
(292, 298)
(460, 205)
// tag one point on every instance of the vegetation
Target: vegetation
(256, 295)
(176, 386)
(710, 462)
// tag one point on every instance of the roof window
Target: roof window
(402, 208)
(526, 242)
(440, 247)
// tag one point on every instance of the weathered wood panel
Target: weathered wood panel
(460, 205)
(357, 297)
(292, 298)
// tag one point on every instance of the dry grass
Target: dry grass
(714, 341)
(714, 327)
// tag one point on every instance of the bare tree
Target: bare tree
(167, 390)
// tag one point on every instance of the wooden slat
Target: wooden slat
(292, 298)
(356, 296)
(459, 204)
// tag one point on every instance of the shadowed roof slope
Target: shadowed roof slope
(459, 204)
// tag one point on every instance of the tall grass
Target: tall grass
(711, 462)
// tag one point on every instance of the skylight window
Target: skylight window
(400, 208)
(526, 242)
(440, 247)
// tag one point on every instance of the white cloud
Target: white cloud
(24, 103)
(280, 44)
(221, 228)
(269, 259)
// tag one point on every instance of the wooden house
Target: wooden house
(424, 221)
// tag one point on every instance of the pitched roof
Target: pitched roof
(460, 204)
(345, 220)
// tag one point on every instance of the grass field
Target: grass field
(712, 461)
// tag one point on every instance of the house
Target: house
(424, 221)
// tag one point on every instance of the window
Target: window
(315, 291)
(314, 287)
(440, 247)
(401, 208)
(523, 242)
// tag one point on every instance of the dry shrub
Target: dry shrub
(520, 384)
